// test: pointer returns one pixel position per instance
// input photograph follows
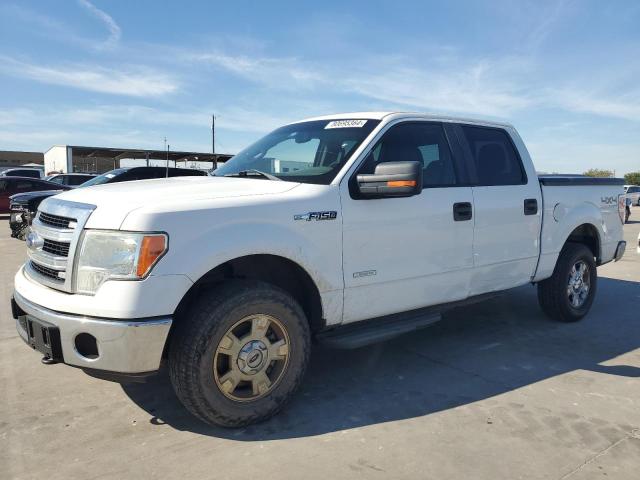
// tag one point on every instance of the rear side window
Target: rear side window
(496, 160)
(420, 141)
(24, 185)
(76, 180)
(24, 173)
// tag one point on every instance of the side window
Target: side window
(58, 179)
(419, 141)
(76, 180)
(495, 158)
(24, 185)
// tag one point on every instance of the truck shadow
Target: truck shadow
(476, 352)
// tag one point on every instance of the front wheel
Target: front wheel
(240, 353)
(568, 294)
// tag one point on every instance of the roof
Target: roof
(119, 153)
(401, 115)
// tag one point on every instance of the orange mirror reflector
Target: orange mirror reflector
(401, 183)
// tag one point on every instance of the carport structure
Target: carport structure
(74, 158)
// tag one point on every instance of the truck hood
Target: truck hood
(116, 200)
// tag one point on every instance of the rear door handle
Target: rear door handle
(462, 211)
(530, 206)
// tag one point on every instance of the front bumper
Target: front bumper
(124, 346)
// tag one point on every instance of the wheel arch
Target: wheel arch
(274, 269)
(587, 234)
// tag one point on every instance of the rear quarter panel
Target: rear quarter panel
(568, 207)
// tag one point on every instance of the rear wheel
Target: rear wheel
(240, 353)
(568, 294)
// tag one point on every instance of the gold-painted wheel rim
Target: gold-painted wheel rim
(251, 358)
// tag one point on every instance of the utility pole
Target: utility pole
(166, 146)
(213, 141)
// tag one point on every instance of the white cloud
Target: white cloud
(130, 81)
(270, 71)
(447, 83)
(573, 156)
(474, 87)
(625, 105)
(114, 30)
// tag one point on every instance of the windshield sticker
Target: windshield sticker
(346, 124)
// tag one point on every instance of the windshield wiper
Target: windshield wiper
(246, 173)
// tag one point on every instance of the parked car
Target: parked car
(26, 205)
(71, 179)
(10, 185)
(633, 193)
(348, 229)
(23, 208)
(30, 172)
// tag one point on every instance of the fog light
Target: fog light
(87, 346)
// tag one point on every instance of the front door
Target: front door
(405, 253)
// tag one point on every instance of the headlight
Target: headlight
(111, 255)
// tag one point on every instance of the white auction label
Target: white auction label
(345, 124)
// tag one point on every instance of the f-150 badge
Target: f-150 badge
(330, 215)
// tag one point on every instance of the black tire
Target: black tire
(198, 334)
(553, 292)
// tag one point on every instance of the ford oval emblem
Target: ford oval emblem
(34, 241)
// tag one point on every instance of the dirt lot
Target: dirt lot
(495, 391)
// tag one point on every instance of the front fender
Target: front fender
(229, 242)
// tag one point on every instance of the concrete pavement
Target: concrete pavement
(495, 391)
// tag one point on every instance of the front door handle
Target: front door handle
(462, 211)
(530, 206)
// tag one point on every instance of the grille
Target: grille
(55, 220)
(46, 271)
(59, 249)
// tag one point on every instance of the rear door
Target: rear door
(400, 254)
(507, 209)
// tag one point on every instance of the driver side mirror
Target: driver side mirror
(391, 179)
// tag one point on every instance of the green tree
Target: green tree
(632, 178)
(596, 172)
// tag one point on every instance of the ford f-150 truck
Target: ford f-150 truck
(344, 229)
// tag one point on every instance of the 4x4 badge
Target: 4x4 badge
(330, 215)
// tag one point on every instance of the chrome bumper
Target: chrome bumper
(124, 346)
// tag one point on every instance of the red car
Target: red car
(12, 185)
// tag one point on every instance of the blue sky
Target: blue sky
(129, 73)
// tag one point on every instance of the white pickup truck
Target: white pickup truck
(344, 229)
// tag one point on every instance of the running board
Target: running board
(366, 332)
(360, 334)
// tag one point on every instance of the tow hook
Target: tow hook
(47, 360)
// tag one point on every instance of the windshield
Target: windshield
(308, 152)
(104, 178)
